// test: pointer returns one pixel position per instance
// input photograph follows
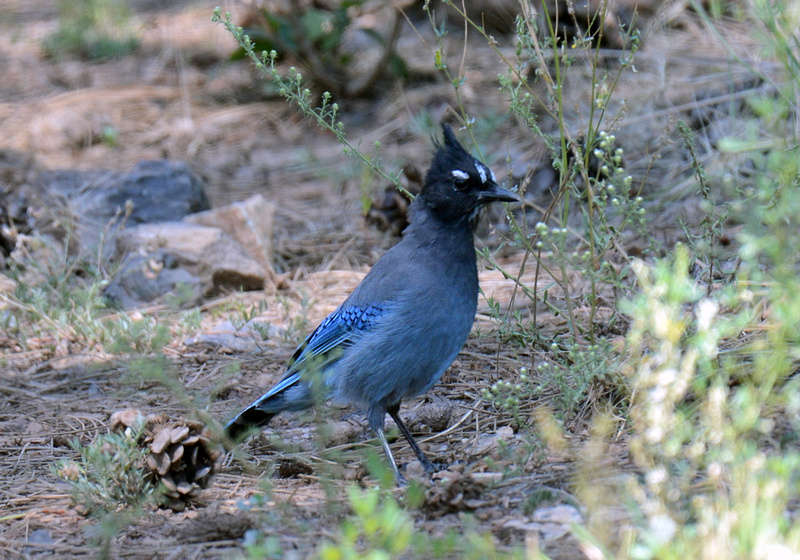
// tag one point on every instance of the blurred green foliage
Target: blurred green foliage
(92, 30)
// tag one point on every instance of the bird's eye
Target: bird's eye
(460, 179)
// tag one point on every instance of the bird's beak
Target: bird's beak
(495, 194)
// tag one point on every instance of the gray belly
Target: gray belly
(402, 361)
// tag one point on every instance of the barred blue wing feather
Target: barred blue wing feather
(336, 333)
(320, 350)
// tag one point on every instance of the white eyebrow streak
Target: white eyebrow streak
(458, 174)
(481, 172)
(494, 178)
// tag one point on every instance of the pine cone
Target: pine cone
(181, 455)
(390, 211)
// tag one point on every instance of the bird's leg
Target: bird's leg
(385, 444)
(426, 463)
(375, 418)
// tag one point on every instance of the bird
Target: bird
(405, 323)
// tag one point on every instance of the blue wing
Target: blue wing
(325, 345)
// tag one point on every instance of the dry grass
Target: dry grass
(163, 107)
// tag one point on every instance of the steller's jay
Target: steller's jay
(400, 329)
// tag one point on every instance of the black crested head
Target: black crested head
(457, 185)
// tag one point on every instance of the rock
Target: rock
(232, 268)
(548, 523)
(161, 191)
(158, 191)
(136, 218)
(88, 207)
(179, 238)
(148, 279)
(563, 514)
(186, 261)
(227, 338)
(485, 444)
(249, 222)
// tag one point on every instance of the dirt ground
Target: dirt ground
(179, 98)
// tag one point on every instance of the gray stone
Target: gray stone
(92, 206)
(249, 222)
(228, 338)
(154, 278)
(160, 191)
(180, 238)
(187, 262)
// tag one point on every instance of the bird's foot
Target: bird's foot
(431, 467)
(422, 469)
